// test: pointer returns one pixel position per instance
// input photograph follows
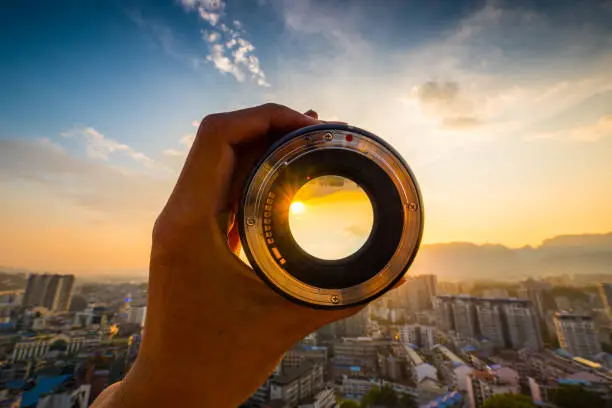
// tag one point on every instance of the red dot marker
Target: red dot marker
(348, 138)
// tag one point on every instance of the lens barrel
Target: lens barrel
(331, 150)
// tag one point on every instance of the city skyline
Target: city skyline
(503, 116)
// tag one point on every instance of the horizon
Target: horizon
(504, 118)
(143, 272)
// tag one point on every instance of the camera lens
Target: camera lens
(331, 216)
(341, 206)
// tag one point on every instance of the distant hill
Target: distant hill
(564, 254)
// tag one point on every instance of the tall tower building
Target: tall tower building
(605, 292)
(50, 291)
(534, 290)
(522, 324)
(357, 325)
(490, 321)
(443, 306)
(464, 314)
(507, 323)
(577, 334)
(65, 292)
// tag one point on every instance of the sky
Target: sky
(503, 110)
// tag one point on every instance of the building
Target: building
(302, 352)
(489, 317)
(548, 366)
(38, 347)
(577, 334)
(419, 293)
(499, 293)
(465, 318)
(419, 369)
(533, 291)
(137, 315)
(354, 326)
(50, 291)
(605, 292)
(452, 368)
(505, 323)
(356, 387)
(325, 398)
(297, 384)
(482, 385)
(420, 335)
(522, 325)
(259, 397)
(443, 307)
(357, 356)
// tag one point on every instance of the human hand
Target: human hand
(214, 331)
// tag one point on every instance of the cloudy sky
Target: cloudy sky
(502, 109)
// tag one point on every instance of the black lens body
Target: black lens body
(331, 150)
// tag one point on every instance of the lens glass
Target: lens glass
(331, 217)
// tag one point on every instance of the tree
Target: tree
(384, 396)
(349, 404)
(407, 401)
(575, 396)
(509, 401)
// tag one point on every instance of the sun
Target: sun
(297, 208)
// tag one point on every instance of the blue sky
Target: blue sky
(503, 109)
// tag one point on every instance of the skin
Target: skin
(214, 331)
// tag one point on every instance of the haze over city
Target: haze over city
(504, 118)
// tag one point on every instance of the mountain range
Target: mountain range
(587, 254)
(564, 254)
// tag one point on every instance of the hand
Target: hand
(214, 332)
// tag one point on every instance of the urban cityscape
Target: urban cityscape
(428, 344)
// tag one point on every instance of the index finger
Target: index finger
(248, 125)
(210, 167)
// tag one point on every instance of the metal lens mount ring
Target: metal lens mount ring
(331, 149)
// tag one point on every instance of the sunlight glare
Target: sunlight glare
(297, 208)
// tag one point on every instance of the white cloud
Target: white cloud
(94, 185)
(212, 17)
(99, 146)
(223, 63)
(236, 55)
(187, 140)
(174, 153)
(590, 132)
(211, 37)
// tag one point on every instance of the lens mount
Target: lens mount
(324, 150)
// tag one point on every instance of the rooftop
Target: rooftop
(293, 373)
(449, 355)
(572, 316)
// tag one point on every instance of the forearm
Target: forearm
(197, 383)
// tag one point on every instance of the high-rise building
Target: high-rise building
(577, 334)
(50, 291)
(430, 284)
(605, 292)
(490, 321)
(522, 324)
(465, 318)
(443, 306)
(137, 315)
(65, 292)
(421, 336)
(354, 326)
(534, 291)
(507, 323)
